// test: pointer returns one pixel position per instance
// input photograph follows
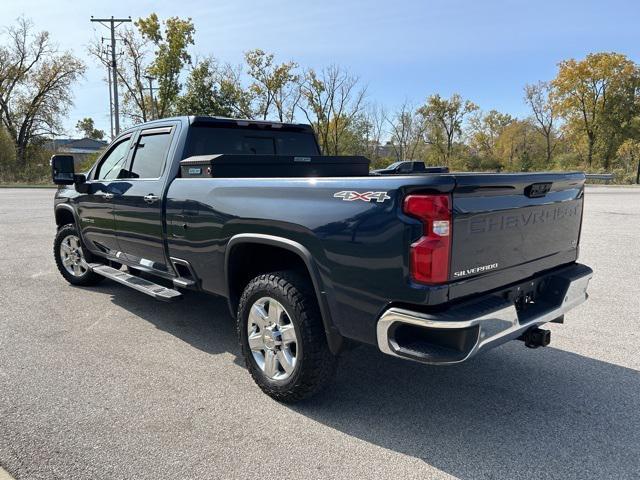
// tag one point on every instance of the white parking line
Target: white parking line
(4, 475)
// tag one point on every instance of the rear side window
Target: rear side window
(150, 155)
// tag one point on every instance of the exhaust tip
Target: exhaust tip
(536, 337)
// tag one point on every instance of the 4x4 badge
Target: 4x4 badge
(350, 196)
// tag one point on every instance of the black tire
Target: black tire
(315, 364)
(88, 278)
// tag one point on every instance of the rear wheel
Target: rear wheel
(282, 337)
(71, 259)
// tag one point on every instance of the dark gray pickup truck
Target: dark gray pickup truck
(313, 253)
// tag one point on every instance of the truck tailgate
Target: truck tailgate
(527, 222)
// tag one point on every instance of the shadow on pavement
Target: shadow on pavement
(510, 413)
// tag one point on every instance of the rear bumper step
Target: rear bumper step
(145, 286)
(457, 334)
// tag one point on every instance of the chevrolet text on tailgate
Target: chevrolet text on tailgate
(315, 253)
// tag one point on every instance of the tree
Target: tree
(171, 41)
(234, 95)
(332, 100)
(444, 119)
(156, 49)
(629, 154)
(538, 97)
(407, 131)
(132, 68)
(373, 120)
(599, 94)
(35, 86)
(274, 87)
(202, 95)
(87, 128)
(519, 147)
(486, 130)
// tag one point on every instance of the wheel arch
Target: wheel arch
(65, 214)
(292, 255)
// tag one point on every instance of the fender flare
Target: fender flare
(76, 220)
(66, 206)
(334, 339)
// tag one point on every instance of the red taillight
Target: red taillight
(429, 255)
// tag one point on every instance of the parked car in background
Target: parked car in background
(407, 167)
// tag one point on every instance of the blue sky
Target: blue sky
(402, 49)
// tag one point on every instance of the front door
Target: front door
(138, 212)
(95, 203)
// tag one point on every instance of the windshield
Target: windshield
(393, 165)
(249, 141)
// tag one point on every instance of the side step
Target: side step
(145, 286)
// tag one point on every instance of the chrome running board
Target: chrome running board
(140, 284)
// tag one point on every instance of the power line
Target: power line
(104, 55)
(113, 23)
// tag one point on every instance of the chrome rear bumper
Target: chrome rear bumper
(457, 334)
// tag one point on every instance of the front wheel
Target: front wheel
(282, 337)
(71, 258)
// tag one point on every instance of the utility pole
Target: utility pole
(153, 105)
(110, 103)
(104, 58)
(113, 23)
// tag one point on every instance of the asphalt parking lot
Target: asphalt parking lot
(107, 383)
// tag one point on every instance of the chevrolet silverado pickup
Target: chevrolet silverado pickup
(313, 253)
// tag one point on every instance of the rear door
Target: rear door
(138, 211)
(521, 223)
(95, 205)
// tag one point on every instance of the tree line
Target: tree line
(587, 117)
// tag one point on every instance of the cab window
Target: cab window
(150, 154)
(114, 162)
(405, 168)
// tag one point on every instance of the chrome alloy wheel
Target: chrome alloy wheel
(272, 338)
(72, 256)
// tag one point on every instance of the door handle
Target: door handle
(107, 196)
(151, 198)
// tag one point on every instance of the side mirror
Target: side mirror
(63, 172)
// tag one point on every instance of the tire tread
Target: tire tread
(318, 363)
(89, 278)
